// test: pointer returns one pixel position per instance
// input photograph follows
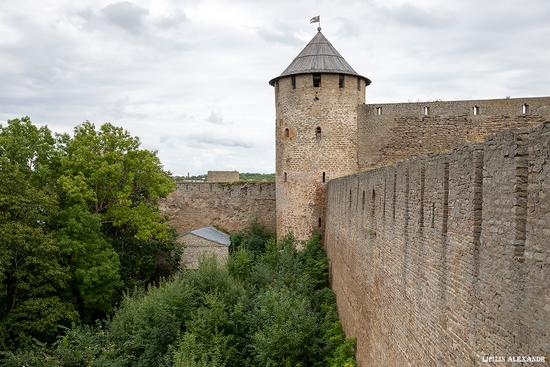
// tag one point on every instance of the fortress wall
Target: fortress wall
(447, 257)
(229, 206)
(403, 131)
(222, 176)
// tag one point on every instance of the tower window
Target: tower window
(426, 110)
(324, 177)
(341, 81)
(319, 222)
(287, 132)
(293, 80)
(358, 83)
(316, 80)
(373, 204)
(525, 109)
(379, 111)
(284, 177)
(475, 110)
(318, 132)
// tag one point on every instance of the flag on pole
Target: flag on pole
(316, 19)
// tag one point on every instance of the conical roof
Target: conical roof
(319, 56)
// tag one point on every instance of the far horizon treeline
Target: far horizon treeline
(243, 176)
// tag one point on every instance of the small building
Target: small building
(204, 242)
(223, 176)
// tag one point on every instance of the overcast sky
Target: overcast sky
(190, 78)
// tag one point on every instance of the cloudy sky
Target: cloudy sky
(190, 77)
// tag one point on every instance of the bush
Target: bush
(269, 306)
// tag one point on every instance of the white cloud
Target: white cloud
(190, 78)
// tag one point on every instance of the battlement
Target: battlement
(392, 132)
(492, 107)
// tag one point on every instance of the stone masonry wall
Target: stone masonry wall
(230, 206)
(304, 156)
(442, 260)
(222, 176)
(195, 248)
(392, 132)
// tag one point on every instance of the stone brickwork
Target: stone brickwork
(197, 248)
(304, 153)
(222, 176)
(392, 132)
(441, 260)
(230, 206)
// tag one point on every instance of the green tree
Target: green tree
(94, 265)
(32, 275)
(79, 220)
(105, 171)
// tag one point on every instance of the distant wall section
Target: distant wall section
(446, 259)
(222, 176)
(230, 206)
(392, 132)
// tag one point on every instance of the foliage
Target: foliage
(32, 272)
(269, 306)
(79, 222)
(253, 238)
(270, 177)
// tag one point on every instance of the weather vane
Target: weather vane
(316, 19)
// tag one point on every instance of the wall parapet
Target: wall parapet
(500, 107)
(445, 259)
(230, 206)
(392, 132)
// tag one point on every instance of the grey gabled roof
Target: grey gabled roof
(319, 56)
(212, 234)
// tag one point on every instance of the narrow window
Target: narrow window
(284, 177)
(475, 110)
(373, 203)
(525, 109)
(341, 81)
(358, 83)
(324, 177)
(350, 198)
(319, 222)
(318, 132)
(426, 110)
(287, 132)
(433, 215)
(293, 80)
(379, 111)
(363, 202)
(316, 80)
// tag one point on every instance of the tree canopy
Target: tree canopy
(71, 210)
(270, 305)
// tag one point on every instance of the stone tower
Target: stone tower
(316, 99)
